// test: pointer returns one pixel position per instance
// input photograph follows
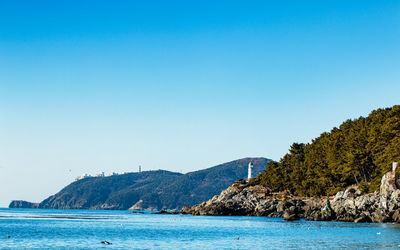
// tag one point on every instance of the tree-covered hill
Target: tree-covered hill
(152, 190)
(360, 151)
(113, 192)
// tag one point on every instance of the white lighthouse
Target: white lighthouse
(250, 169)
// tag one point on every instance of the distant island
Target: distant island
(147, 190)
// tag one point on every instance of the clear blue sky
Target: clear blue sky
(90, 86)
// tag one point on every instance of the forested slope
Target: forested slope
(359, 151)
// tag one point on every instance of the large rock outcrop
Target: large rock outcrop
(350, 205)
(247, 201)
(356, 207)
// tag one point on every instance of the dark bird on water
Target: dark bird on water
(105, 242)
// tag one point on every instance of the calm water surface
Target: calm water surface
(66, 229)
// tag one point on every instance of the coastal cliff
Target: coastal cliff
(350, 205)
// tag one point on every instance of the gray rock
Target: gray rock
(287, 216)
(396, 216)
(364, 217)
(388, 184)
(395, 194)
(351, 193)
(338, 196)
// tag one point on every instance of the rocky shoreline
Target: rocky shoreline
(350, 205)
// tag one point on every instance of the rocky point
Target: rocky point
(349, 205)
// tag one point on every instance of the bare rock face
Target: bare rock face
(388, 184)
(137, 206)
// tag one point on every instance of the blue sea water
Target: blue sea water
(85, 229)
